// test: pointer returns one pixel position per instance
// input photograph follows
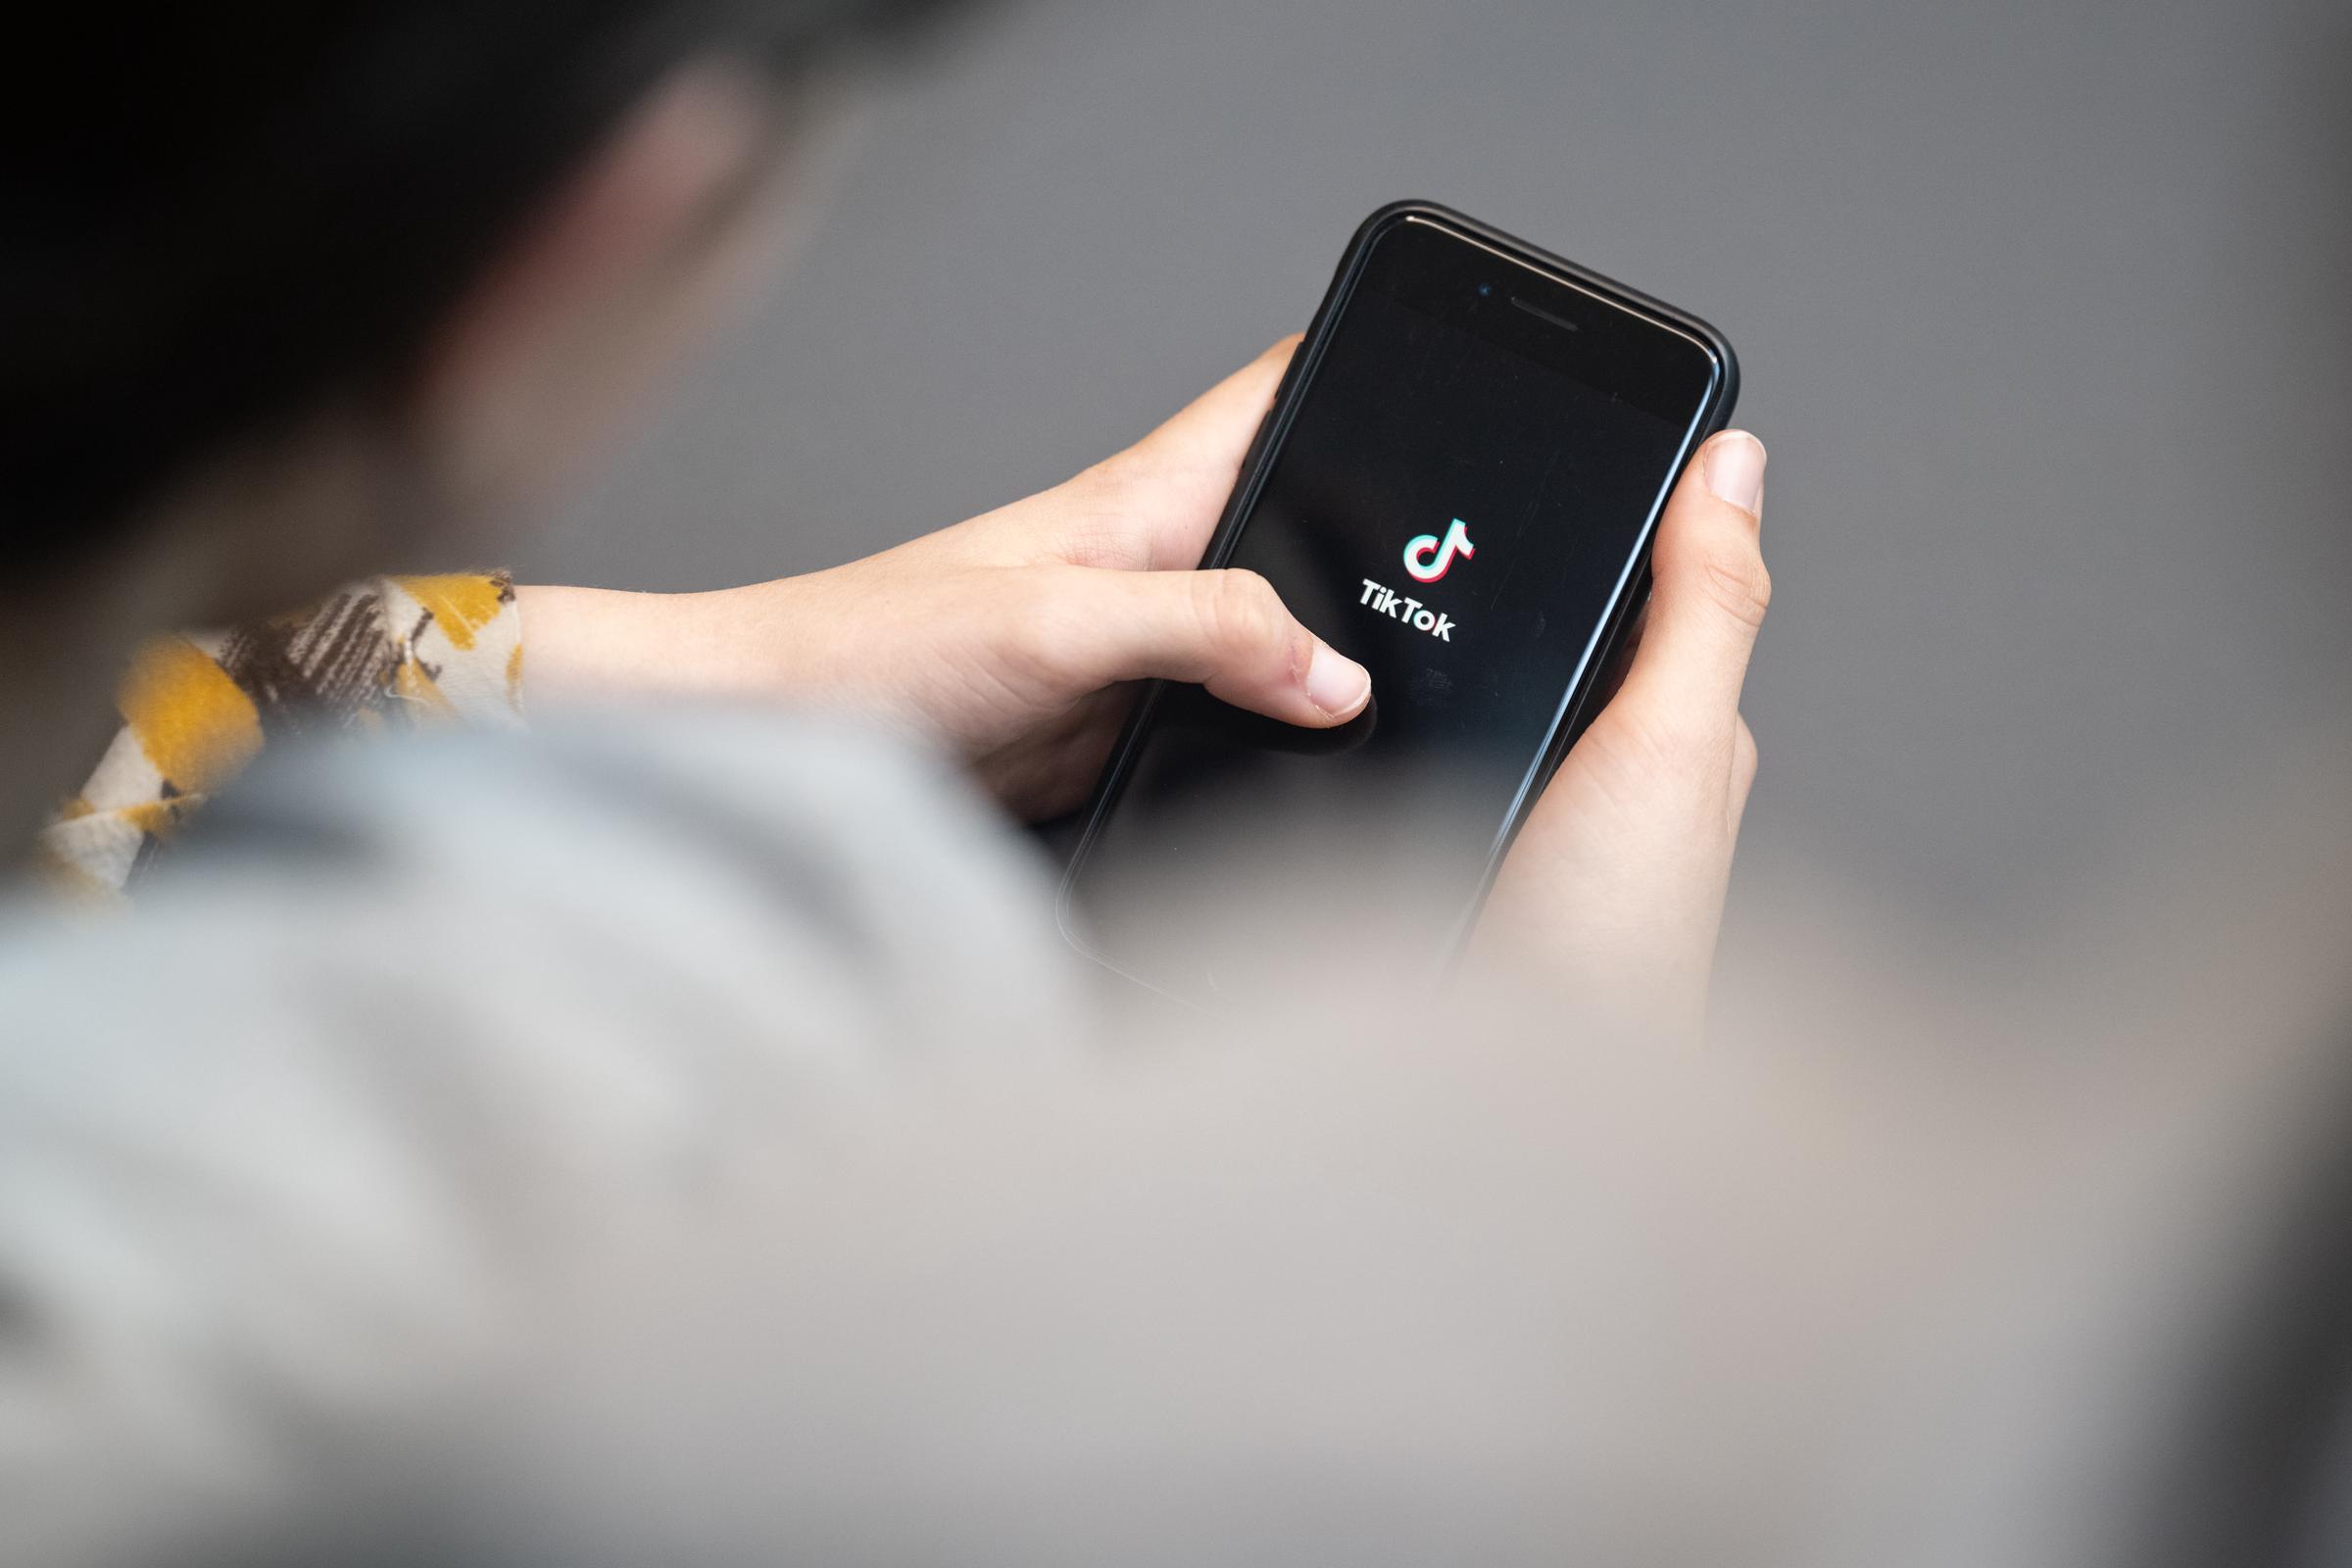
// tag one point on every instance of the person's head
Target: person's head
(286, 290)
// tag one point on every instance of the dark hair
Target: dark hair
(216, 216)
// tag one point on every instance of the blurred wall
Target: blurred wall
(2041, 307)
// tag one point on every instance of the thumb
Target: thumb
(1709, 591)
(1226, 630)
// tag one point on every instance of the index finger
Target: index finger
(1184, 470)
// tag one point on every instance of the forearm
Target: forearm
(592, 643)
(596, 645)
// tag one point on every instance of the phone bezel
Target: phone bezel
(1574, 711)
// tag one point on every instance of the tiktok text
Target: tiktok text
(1389, 603)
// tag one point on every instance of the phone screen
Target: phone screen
(1458, 504)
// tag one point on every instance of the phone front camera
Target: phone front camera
(1484, 289)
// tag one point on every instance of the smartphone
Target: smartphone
(1456, 486)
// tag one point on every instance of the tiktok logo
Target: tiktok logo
(1429, 558)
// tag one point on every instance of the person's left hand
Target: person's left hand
(1014, 637)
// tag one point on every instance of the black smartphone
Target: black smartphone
(1456, 486)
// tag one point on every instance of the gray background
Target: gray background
(2039, 308)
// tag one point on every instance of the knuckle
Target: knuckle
(1670, 745)
(1744, 757)
(1243, 619)
(1689, 741)
(1236, 606)
(1743, 774)
(1736, 579)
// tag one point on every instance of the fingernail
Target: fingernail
(1336, 683)
(1735, 470)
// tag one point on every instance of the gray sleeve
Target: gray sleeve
(284, 1147)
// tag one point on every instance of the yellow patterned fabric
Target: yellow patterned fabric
(391, 652)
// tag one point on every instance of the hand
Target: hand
(1616, 884)
(1015, 637)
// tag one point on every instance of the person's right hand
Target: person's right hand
(1016, 638)
(1616, 885)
